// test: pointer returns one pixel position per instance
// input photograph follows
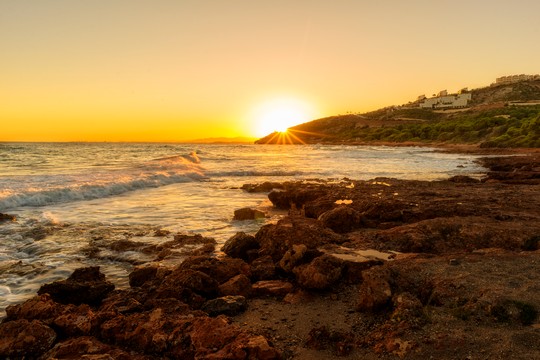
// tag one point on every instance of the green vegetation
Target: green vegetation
(506, 127)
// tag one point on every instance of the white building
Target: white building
(447, 101)
(510, 79)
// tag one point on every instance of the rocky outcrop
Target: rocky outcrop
(239, 246)
(84, 286)
(248, 214)
(7, 217)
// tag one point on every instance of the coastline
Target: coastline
(462, 261)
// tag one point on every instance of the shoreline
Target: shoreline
(459, 259)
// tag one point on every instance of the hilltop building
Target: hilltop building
(511, 79)
(445, 101)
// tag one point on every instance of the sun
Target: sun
(279, 115)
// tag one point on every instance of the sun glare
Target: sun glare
(279, 115)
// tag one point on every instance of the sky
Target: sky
(174, 70)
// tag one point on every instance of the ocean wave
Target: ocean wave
(88, 185)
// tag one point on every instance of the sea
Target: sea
(67, 196)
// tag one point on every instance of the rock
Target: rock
(87, 347)
(147, 274)
(375, 292)
(266, 186)
(356, 261)
(194, 280)
(298, 297)
(7, 217)
(292, 257)
(254, 347)
(272, 288)
(226, 305)
(81, 320)
(407, 308)
(238, 285)
(40, 307)
(463, 179)
(276, 239)
(248, 214)
(320, 274)
(219, 269)
(25, 339)
(342, 219)
(239, 245)
(263, 268)
(296, 197)
(84, 286)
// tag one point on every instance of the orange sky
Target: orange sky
(168, 70)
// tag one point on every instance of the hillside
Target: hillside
(492, 120)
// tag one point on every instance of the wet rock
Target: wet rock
(320, 274)
(296, 197)
(239, 245)
(7, 217)
(40, 307)
(221, 269)
(226, 305)
(375, 292)
(81, 320)
(147, 274)
(87, 347)
(194, 280)
(342, 219)
(238, 285)
(25, 339)
(263, 268)
(272, 288)
(84, 286)
(463, 179)
(266, 186)
(276, 240)
(293, 257)
(248, 214)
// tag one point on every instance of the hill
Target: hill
(498, 116)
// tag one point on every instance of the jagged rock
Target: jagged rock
(226, 305)
(263, 268)
(80, 320)
(147, 274)
(293, 257)
(21, 339)
(84, 286)
(276, 239)
(248, 214)
(7, 217)
(238, 285)
(342, 219)
(194, 280)
(239, 245)
(219, 269)
(87, 347)
(320, 274)
(375, 291)
(40, 307)
(272, 288)
(296, 197)
(407, 308)
(266, 186)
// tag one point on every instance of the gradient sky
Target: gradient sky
(169, 70)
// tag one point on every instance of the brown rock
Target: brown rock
(248, 214)
(276, 239)
(85, 285)
(25, 339)
(375, 291)
(263, 268)
(320, 274)
(342, 219)
(219, 269)
(226, 305)
(81, 320)
(239, 245)
(296, 197)
(238, 285)
(292, 257)
(194, 280)
(40, 307)
(89, 348)
(147, 274)
(272, 288)
(7, 217)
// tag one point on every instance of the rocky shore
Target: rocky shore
(377, 269)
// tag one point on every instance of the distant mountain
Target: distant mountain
(410, 123)
(223, 140)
